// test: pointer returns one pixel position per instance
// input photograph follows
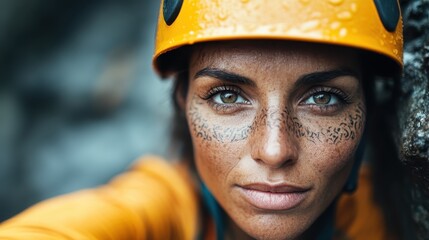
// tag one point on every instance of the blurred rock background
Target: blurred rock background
(79, 101)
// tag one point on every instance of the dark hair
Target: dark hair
(181, 138)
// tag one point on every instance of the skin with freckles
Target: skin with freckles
(277, 117)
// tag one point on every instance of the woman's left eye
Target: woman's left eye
(322, 99)
(228, 97)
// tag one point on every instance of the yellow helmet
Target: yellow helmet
(372, 25)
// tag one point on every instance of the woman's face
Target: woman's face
(274, 128)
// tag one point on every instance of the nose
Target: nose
(273, 142)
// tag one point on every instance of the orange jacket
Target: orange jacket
(157, 200)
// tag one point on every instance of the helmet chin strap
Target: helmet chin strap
(352, 181)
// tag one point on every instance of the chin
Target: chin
(275, 234)
(275, 226)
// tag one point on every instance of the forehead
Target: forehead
(273, 54)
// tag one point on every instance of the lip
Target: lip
(279, 197)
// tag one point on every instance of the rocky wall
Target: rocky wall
(413, 109)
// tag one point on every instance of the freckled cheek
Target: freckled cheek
(214, 159)
(333, 159)
(212, 155)
(332, 165)
(217, 140)
(335, 146)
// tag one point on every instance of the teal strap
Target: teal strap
(215, 211)
(328, 221)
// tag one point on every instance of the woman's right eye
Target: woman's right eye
(228, 97)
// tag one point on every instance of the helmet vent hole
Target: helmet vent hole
(170, 10)
(388, 10)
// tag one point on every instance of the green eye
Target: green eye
(322, 98)
(228, 97)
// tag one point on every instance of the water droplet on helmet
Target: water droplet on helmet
(222, 15)
(310, 25)
(343, 32)
(353, 7)
(336, 2)
(345, 15)
(335, 25)
(251, 27)
(316, 15)
(272, 29)
(395, 51)
(285, 6)
(381, 42)
(207, 17)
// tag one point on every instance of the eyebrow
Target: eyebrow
(224, 76)
(325, 76)
(308, 79)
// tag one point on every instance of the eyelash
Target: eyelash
(343, 98)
